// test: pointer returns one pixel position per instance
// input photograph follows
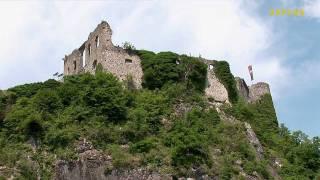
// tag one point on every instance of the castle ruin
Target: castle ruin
(99, 49)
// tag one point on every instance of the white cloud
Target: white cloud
(38, 34)
(223, 30)
(312, 8)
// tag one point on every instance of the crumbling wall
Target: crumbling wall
(73, 63)
(243, 89)
(215, 89)
(99, 49)
(252, 93)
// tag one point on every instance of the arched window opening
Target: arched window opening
(211, 66)
(74, 65)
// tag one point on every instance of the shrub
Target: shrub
(128, 46)
(169, 68)
(194, 72)
(27, 170)
(33, 126)
(143, 146)
(122, 159)
(47, 101)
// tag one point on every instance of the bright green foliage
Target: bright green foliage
(194, 72)
(222, 71)
(190, 139)
(47, 100)
(147, 113)
(159, 69)
(168, 68)
(29, 90)
(144, 146)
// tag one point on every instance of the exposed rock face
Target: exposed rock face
(91, 165)
(99, 49)
(254, 141)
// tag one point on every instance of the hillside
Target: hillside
(97, 127)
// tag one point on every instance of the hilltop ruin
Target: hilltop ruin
(99, 49)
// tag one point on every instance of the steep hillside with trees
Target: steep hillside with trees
(168, 127)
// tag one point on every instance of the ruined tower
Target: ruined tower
(99, 49)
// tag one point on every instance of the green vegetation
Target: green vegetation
(222, 71)
(300, 156)
(168, 126)
(168, 68)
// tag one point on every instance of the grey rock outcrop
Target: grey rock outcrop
(254, 141)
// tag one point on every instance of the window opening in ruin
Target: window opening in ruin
(128, 60)
(177, 62)
(94, 65)
(83, 58)
(89, 49)
(74, 65)
(68, 70)
(97, 40)
(210, 66)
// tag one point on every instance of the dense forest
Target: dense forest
(168, 126)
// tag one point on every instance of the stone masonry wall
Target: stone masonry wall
(252, 93)
(99, 49)
(215, 89)
(73, 63)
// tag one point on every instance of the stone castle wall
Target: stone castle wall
(254, 92)
(215, 89)
(99, 49)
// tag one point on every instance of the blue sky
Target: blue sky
(284, 51)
